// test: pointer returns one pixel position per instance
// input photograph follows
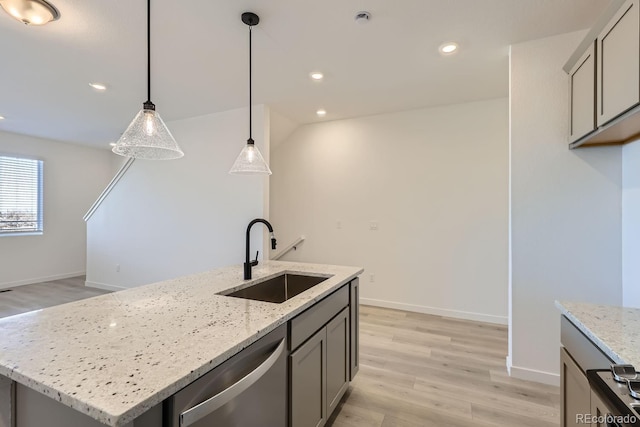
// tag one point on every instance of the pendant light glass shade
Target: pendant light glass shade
(31, 12)
(250, 160)
(148, 138)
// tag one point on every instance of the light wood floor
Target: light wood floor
(416, 370)
(21, 299)
(419, 370)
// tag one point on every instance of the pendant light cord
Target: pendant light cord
(149, 51)
(250, 68)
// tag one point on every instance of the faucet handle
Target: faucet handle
(255, 261)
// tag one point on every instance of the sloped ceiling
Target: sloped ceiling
(200, 50)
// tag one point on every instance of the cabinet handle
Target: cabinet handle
(210, 405)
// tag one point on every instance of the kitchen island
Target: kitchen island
(115, 356)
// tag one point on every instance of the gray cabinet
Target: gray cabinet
(308, 366)
(320, 373)
(337, 358)
(582, 95)
(618, 73)
(320, 364)
(575, 393)
(598, 410)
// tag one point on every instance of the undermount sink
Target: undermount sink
(277, 289)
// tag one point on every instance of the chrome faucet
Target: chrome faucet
(248, 263)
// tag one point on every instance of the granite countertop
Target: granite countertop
(114, 356)
(615, 330)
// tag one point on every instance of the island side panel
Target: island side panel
(7, 403)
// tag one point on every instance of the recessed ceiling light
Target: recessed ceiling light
(31, 12)
(1, 117)
(98, 86)
(113, 144)
(321, 112)
(448, 48)
(317, 76)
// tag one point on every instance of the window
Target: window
(20, 195)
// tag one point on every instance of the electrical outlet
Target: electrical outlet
(372, 278)
(373, 225)
(117, 268)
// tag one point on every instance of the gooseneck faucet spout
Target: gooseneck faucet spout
(248, 263)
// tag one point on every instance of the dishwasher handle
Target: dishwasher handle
(196, 413)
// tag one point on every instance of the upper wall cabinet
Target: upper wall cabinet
(582, 95)
(618, 73)
(604, 79)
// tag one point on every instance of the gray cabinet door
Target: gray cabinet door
(354, 310)
(575, 394)
(308, 382)
(338, 332)
(599, 410)
(619, 63)
(582, 96)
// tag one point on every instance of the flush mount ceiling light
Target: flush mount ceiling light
(250, 160)
(321, 112)
(448, 48)
(317, 76)
(147, 137)
(31, 12)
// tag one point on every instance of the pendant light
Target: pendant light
(147, 137)
(250, 160)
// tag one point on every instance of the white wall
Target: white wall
(74, 176)
(435, 182)
(631, 224)
(565, 210)
(165, 219)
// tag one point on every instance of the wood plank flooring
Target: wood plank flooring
(21, 299)
(419, 370)
(416, 370)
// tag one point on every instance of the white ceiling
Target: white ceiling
(200, 48)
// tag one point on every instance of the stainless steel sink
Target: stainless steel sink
(277, 289)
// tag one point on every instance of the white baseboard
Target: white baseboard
(480, 317)
(8, 285)
(103, 286)
(534, 375)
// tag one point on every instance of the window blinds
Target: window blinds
(20, 195)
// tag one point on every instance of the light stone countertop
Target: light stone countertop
(615, 330)
(114, 356)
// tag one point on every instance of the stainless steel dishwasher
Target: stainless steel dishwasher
(248, 390)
